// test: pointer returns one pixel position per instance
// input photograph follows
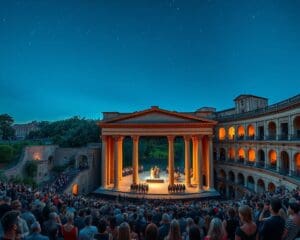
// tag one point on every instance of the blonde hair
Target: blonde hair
(216, 229)
(246, 213)
(124, 232)
(174, 233)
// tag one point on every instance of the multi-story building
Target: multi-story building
(257, 146)
(22, 130)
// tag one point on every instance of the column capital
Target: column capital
(186, 137)
(118, 138)
(104, 137)
(197, 137)
(135, 138)
(171, 138)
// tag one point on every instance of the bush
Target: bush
(6, 153)
(31, 169)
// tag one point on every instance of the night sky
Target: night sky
(64, 58)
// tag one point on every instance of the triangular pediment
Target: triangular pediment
(156, 116)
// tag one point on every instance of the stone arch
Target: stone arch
(250, 183)
(241, 179)
(271, 187)
(272, 158)
(251, 155)
(215, 153)
(296, 125)
(222, 154)
(231, 176)
(82, 162)
(222, 133)
(250, 131)
(222, 174)
(260, 186)
(241, 154)
(231, 153)
(241, 131)
(297, 163)
(231, 133)
(261, 157)
(285, 162)
(50, 161)
(272, 130)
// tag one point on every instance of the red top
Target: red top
(69, 235)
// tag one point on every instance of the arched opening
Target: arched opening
(272, 159)
(260, 186)
(231, 154)
(272, 130)
(75, 189)
(297, 164)
(251, 131)
(231, 133)
(285, 162)
(231, 177)
(250, 183)
(296, 124)
(222, 133)
(215, 154)
(241, 179)
(271, 187)
(50, 161)
(241, 155)
(251, 155)
(222, 175)
(261, 158)
(222, 154)
(82, 162)
(241, 132)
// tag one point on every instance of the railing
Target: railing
(284, 171)
(283, 137)
(296, 173)
(260, 164)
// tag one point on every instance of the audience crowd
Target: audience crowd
(42, 214)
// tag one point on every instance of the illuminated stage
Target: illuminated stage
(157, 190)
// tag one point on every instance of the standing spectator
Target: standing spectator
(124, 232)
(174, 233)
(194, 233)
(88, 232)
(216, 230)
(292, 225)
(23, 227)
(52, 226)
(9, 223)
(103, 234)
(231, 223)
(36, 232)
(151, 232)
(4, 205)
(163, 230)
(248, 231)
(69, 231)
(273, 227)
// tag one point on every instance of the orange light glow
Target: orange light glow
(272, 157)
(75, 189)
(251, 155)
(241, 131)
(222, 133)
(37, 156)
(231, 153)
(241, 153)
(297, 161)
(231, 133)
(251, 131)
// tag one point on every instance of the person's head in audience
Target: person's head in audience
(124, 232)
(151, 232)
(10, 225)
(275, 206)
(245, 214)
(194, 233)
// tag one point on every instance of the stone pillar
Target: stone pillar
(195, 158)
(118, 154)
(210, 179)
(104, 162)
(171, 159)
(199, 179)
(187, 156)
(135, 159)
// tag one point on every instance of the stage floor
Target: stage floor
(156, 190)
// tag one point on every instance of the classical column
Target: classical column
(187, 156)
(210, 178)
(171, 159)
(135, 159)
(199, 179)
(195, 158)
(104, 161)
(118, 154)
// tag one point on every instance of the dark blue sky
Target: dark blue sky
(64, 58)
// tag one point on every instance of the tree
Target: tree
(6, 128)
(6, 153)
(31, 169)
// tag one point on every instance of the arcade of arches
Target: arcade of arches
(197, 133)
